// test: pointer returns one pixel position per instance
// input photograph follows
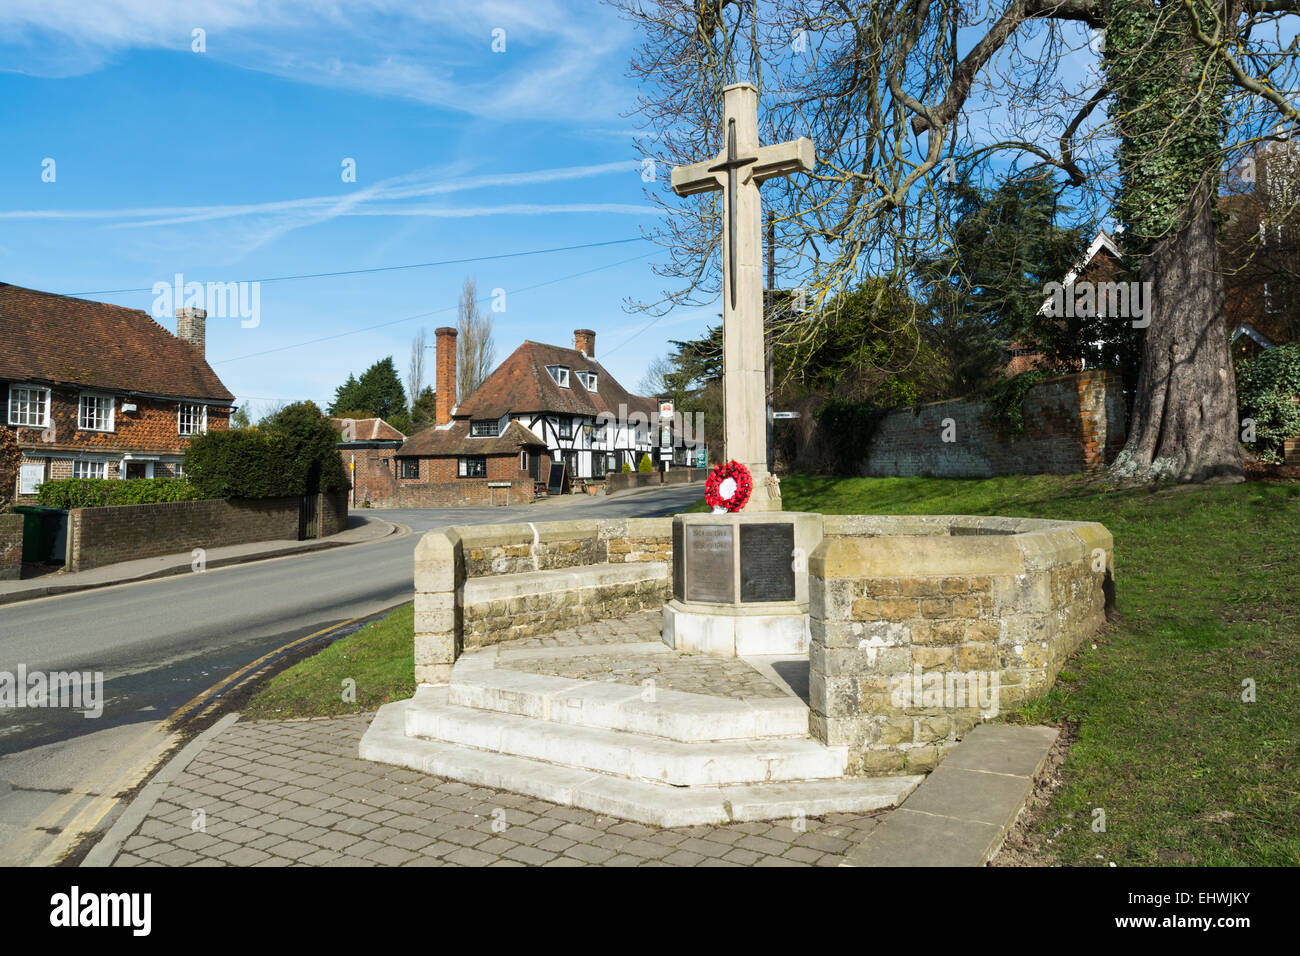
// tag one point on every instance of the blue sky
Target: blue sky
(225, 165)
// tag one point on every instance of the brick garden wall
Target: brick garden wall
(1073, 423)
(438, 485)
(11, 546)
(333, 513)
(99, 536)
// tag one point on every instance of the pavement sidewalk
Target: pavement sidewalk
(361, 529)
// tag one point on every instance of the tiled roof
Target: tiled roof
(369, 429)
(456, 440)
(54, 338)
(522, 384)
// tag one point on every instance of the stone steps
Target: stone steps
(672, 715)
(657, 804)
(635, 756)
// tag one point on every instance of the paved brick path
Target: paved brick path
(277, 793)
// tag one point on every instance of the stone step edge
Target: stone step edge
(654, 804)
(672, 715)
(433, 716)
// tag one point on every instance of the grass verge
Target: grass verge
(379, 660)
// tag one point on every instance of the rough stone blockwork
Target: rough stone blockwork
(547, 577)
(1073, 423)
(922, 626)
(11, 546)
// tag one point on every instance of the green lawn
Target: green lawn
(1207, 580)
(379, 658)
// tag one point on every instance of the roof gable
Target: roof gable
(522, 384)
(65, 341)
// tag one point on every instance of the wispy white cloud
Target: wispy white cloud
(437, 52)
(357, 202)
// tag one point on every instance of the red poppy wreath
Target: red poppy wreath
(728, 486)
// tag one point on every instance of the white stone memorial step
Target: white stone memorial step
(604, 705)
(432, 716)
(652, 803)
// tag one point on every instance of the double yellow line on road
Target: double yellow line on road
(208, 697)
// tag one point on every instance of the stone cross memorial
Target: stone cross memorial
(737, 172)
(740, 582)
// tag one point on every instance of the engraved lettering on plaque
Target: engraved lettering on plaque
(710, 565)
(766, 572)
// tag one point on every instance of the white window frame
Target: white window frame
(24, 420)
(87, 464)
(560, 373)
(589, 381)
(97, 397)
(198, 428)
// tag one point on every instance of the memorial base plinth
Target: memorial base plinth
(740, 583)
(735, 631)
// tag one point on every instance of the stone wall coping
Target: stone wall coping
(499, 587)
(493, 535)
(1015, 546)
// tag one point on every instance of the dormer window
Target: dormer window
(588, 380)
(560, 374)
(485, 428)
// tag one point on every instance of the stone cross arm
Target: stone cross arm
(779, 159)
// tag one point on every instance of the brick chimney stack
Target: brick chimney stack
(584, 340)
(191, 327)
(445, 374)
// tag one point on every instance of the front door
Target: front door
(137, 469)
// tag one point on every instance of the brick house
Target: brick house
(95, 390)
(544, 403)
(369, 447)
(1101, 263)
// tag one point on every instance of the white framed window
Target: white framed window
(588, 380)
(560, 374)
(95, 412)
(178, 470)
(192, 419)
(472, 466)
(90, 469)
(29, 405)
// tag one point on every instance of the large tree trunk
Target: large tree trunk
(1184, 422)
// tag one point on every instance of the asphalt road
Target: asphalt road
(159, 643)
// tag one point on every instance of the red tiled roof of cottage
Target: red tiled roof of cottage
(65, 341)
(522, 384)
(455, 439)
(369, 429)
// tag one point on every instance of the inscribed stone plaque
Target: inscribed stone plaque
(710, 565)
(767, 562)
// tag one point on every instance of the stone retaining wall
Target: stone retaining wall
(923, 626)
(489, 583)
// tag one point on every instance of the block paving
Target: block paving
(295, 793)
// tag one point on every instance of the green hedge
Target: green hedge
(294, 452)
(104, 492)
(845, 429)
(242, 464)
(1265, 385)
